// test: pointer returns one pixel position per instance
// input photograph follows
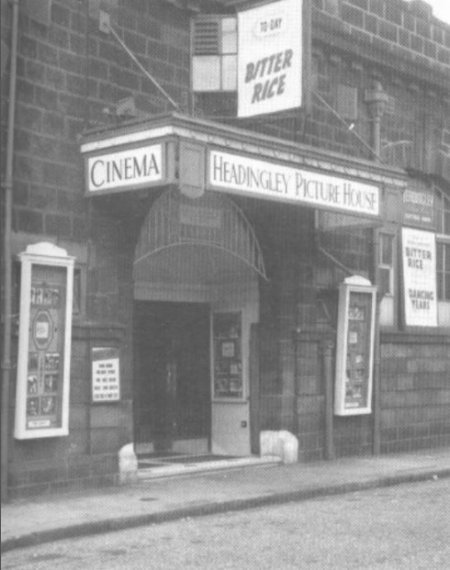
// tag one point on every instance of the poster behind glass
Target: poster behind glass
(227, 355)
(355, 349)
(44, 386)
(358, 369)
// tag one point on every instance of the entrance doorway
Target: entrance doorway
(172, 363)
(196, 294)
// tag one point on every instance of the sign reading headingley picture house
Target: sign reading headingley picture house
(261, 179)
(270, 58)
(128, 169)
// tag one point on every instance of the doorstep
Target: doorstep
(191, 467)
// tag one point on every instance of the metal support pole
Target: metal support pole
(376, 398)
(7, 262)
(327, 359)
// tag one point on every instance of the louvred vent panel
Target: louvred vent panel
(206, 37)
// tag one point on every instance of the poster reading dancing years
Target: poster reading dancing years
(227, 355)
(354, 356)
(419, 278)
(43, 363)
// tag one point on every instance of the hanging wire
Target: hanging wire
(142, 68)
(350, 127)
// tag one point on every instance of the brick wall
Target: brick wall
(408, 50)
(294, 326)
(88, 455)
(70, 78)
(415, 392)
(410, 27)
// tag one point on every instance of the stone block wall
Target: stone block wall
(415, 392)
(404, 47)
(70, 78)
(410, 27)
(88, 455)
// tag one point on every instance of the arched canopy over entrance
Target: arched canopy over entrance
(200, 242)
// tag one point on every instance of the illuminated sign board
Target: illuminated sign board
(419, 277)
(270, 58)
(268, 180)
(125, 170)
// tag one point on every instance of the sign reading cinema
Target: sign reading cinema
(239, 174)
(126, 169)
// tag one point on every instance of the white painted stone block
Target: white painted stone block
(282, 444)
(128, 464)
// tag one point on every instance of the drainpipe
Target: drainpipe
(7, 287)
(376, 100)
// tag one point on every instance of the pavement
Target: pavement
(30, 522)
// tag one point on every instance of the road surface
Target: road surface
(402, 527)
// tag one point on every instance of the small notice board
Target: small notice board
(355, 347)
(105, 374)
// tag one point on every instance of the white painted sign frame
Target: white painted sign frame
(342, 407)
(419, 281)
(270, 58)
(105, 375)
(46, 254)
(229, 172)
(121, 170)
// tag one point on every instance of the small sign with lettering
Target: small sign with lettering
(270, 58)
(419, 277)
(105, 375)
(272, 181)
(418, 208)
(125, 170)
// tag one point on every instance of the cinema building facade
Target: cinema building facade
(188, 282)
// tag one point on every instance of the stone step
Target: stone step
(190, 468)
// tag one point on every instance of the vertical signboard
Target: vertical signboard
(270, 57)
(105, 374)
(418, 208)
(419, 278)
(44, 342)
(355, 346)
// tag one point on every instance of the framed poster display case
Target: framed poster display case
(355, 347)
(43, 367)
(227, 339)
